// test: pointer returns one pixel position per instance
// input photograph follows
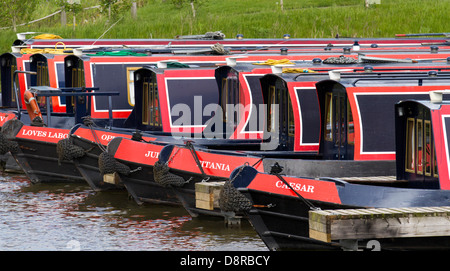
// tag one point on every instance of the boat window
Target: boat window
(43, 79)
(350, 126)
(230, 96)
(145, 101)
(271, 101)
(427, 134)
(42, 72)
(419, 151)
(291, 122)
(224, 99)
(340, 122)
(435, 166)
(130, 84)
(155, 117)
(409, 161)
(13, 69)
(328, 117)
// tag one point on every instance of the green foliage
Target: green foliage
(114, 8)
(14, 12)
(254, 19)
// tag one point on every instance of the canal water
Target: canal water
(62, 217)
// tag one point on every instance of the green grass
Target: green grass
(254, 19)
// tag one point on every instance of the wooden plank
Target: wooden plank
(328, 225)
(207, 195)
(112, 178)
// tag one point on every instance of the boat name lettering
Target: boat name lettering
(296, 186)
(214, 165)
(152, 154)
(107, 137)
(50, 134)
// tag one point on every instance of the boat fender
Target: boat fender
(32, 106)
(107, 164)
(231, 200)
(163, 177)
(7, 145)
(67, 151)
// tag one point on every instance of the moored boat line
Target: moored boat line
(320, 118)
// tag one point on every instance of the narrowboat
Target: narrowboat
(157, 94)
(363, 146)
(34, 145)
(211, 38)
(152, 183)
(308, 162)
(281, 203)
(353, 121)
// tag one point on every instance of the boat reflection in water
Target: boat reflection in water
(72, 217)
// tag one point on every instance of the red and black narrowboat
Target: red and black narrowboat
(157, 95)
(34, 146)
(281, 203)
(353, 120)
(139, 187)
(211, 38)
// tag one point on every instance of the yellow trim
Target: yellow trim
(429, 141)
(409, 152)
(419, 140)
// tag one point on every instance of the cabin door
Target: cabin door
(281, 115)
(336, 126)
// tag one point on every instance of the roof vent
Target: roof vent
(163, 63)
(336, 74)
(277, 69)
(436, 95)
(231, 61)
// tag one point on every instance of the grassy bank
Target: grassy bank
(254, 19)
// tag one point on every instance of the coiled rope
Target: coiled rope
(7, 145)
(163, 176)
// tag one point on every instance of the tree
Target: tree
(70, 6)
(14, 12)
(192, 3)
(115, 7)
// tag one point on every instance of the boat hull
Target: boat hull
(38, 157)
(281, 218)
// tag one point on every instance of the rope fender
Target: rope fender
(231, 200)
(8, 145)
(67, 151)
(107, 164)
(163, 177)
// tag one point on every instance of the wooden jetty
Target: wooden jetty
(345, 225)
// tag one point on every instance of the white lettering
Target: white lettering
(215, 165)
(246, 260)
(296, 186)
(197, 261)
(107, 137)
(152, 154)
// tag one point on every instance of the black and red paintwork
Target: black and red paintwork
(187, 161)
(280, 216)
(37, 156)
(310, 164)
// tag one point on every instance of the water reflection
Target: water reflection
(73, 217)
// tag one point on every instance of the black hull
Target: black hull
(87, 166)
(39, 161)
(285, 226)
(141, 186)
